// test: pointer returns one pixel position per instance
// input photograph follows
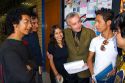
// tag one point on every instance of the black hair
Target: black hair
(52, 32)
(107, 14)
(34, 15)
(13, 17)
(119, 23)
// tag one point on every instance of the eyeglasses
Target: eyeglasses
(105, 42)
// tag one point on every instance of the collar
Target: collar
(78, 34)
(110, 39)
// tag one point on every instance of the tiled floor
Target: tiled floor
(45, 77)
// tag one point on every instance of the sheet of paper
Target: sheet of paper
(105, 4)
(75, 66)
(83, 8)
(91, 7)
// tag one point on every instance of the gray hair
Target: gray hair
(71, 15)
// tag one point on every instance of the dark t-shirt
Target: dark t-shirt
(33, 47)
(59, 56)
(14, 58)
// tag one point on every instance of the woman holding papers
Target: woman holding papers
(57, 55)
(104, 48)
(118, 27)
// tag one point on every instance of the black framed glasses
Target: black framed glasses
(105, 42)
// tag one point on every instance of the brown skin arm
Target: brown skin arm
(52, 65)
(90, 61)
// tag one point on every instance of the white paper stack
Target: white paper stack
(75, 66)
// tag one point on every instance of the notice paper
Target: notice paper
(75, 66)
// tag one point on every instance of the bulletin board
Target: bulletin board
(86, 10)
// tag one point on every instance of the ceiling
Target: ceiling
(5, 5)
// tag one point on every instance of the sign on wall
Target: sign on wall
(86, 9)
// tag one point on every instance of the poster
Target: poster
(86, 10)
